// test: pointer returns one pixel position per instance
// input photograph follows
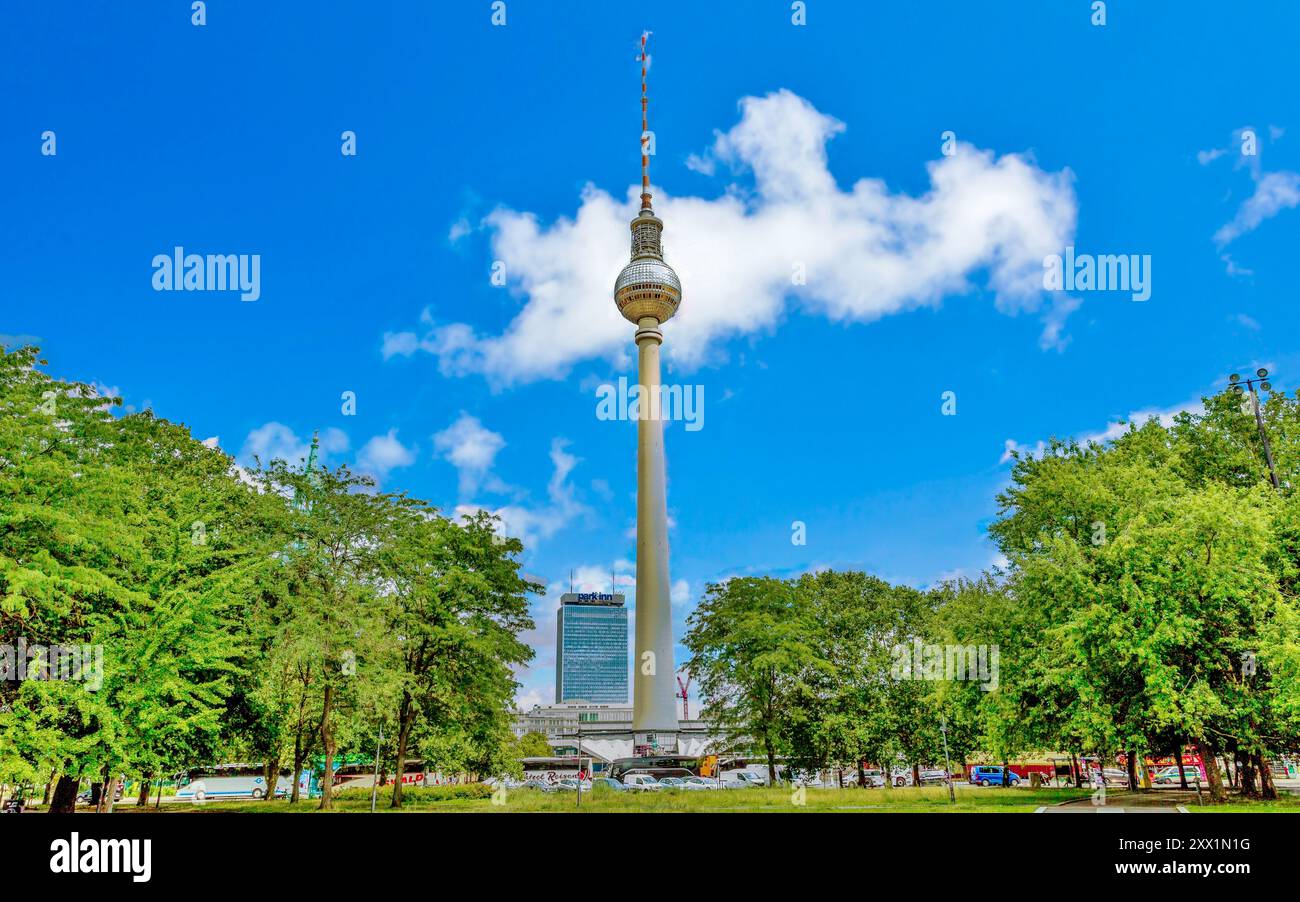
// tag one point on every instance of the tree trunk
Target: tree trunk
(1266, 788)
(916, 775)
(327, 742)
(142, 798)
(1006, 774)
(1075, 771)
(1178, 760)
(271, 776)
(1246, 769)
(1131, 762)
(405, 718)
(64, 800)
(110, 794)
(1209, 755)
(771, 758)
(96, 793)
(1232, 778)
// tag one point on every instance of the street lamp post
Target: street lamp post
(947, 764)
(1262, 378)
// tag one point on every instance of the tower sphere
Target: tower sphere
(647, 286)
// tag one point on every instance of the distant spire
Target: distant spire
(311, 457)
(645, 130)
(298, 501)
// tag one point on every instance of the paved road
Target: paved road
(1089, 808)
(1163, 802)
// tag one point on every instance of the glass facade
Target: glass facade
(591, 653)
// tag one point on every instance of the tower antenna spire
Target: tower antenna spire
(645, 130)
(648, 293)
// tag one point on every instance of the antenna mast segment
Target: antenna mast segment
(645, 131)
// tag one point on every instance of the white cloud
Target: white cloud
(383, 454)
(1165, 416)
(1274, 192)
(527, 698)
(276, 440)
(533, 524)
(471, 448)
(681, 593)
(400, 344)
(1013, 447)
(1113, 430)
(867, 252)
(105, 391)
(1054, 322)
(459, 229)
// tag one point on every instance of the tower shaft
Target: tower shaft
(648, 292)
(654, 702)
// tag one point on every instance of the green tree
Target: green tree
(750, 642)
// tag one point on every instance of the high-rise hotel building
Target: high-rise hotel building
(591, 648)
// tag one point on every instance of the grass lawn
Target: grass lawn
(926, 798)
(1287, 802)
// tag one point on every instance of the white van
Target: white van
(641, 782)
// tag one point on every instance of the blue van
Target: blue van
(991, 775)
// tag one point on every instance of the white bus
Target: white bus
(348, 776)
(237, 781)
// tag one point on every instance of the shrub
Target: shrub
(418, 795)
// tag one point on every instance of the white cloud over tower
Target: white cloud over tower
(861, 253)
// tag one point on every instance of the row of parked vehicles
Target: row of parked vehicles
(641, 782)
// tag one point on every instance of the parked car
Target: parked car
(873, 778)
(991, 775)
(83, 798)
(641, 782)
(569, 784)
(743, 778)
(934, 776)
(608, 783)
(701, 783)
(1115, 777)
(1169, 775)
(671, 782)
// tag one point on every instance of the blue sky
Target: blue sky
(776, 145)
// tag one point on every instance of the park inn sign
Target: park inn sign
(604, 598)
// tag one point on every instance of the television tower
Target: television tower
(648, 293)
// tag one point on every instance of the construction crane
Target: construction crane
(683, 687)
